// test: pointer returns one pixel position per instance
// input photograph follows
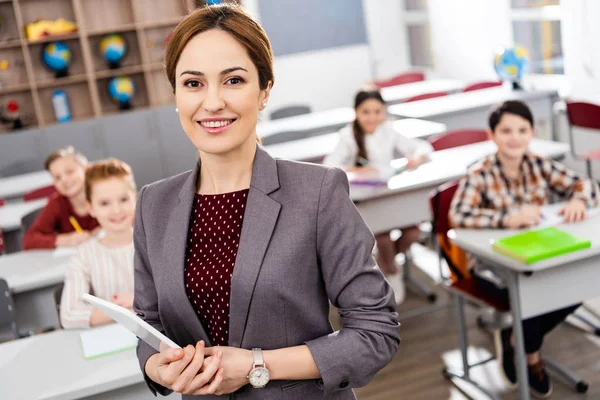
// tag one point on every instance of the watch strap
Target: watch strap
(258, 357)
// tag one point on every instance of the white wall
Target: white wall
(330, 78)
(464, 42)
(580, 31)
(387, 37)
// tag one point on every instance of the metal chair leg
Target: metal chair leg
(566, 376)
(463, 342)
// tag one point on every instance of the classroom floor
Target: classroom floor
(429, 340)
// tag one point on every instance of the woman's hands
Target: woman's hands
(186, 370)
(236, 364)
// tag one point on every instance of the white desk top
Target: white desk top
(18, 185)
(332, 118)
(33, 269)
(51, 366)
(446, 165)
(459, 102)
(400, 93)
(319, 146)
(11, 213)
(479, 243)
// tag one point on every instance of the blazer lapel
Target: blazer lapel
(260, 219)
(176, 237)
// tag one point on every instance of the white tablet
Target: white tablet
(129, 320)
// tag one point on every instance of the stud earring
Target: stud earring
(264, 104)
(176, 110)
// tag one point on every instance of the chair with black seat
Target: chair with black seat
(290, 111)
(7, 310)
(587, 116)
(464, 288)
(28, 219)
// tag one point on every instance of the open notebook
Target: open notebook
(105, 340)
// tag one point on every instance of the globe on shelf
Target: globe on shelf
(510, 64)
(57, 58)
(113, 48)
(121, 90)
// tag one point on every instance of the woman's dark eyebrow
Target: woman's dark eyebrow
(224, 72)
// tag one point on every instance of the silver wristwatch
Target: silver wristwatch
(259, 375)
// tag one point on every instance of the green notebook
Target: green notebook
(536, 245)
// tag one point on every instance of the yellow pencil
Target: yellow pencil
(75, 224)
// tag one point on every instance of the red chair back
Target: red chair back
(40, 193)
(2, 201)
(426, 96)
(583, 115)
(1, 242)
(439, 203)
(401, 79)
(481, 85)
(458, 138)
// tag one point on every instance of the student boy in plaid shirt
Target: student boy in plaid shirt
(506, 190)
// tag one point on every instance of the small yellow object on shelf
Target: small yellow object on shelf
(42, 28)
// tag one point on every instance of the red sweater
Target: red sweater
(53, 221)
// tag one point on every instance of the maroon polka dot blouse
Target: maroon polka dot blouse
(213, 240)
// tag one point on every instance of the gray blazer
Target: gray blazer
(303, 244)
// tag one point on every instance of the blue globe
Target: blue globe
(113, 48)
(57, 57)
(121, 90)
(511, 63)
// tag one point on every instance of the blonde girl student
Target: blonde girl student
(103, 266)
(65, 220)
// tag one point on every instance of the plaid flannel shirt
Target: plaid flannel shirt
(486, 195)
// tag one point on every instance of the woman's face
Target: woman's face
(370, 114)
(217, 93)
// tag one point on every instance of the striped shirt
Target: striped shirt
(486, 195)
(97, 269)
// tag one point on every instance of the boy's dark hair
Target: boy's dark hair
(510, 107)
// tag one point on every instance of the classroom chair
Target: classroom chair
(465, 289)
(426, 96)
(40, 193)
(481, 85)
(28, 219)
(290, 111)
(587, 116)
(457, 138)
(401, 79)
(7, 311)
(2, 202)
(2, 249)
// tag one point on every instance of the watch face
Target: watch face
(259, 377)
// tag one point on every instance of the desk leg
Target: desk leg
(520, 361)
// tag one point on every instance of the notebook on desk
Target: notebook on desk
(536, 245)
(105, 340)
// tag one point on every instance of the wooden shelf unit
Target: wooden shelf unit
(144, 24)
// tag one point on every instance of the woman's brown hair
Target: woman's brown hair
(359, 133)
(106, 169)
(231, 19)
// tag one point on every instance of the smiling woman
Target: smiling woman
(238, 260)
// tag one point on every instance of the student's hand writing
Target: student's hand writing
(72, 239)
(527, 216)
(574, 211)
(184, 370)
(416, 162)
(236, 365)
(124, 300)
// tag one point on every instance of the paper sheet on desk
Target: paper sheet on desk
(106, 340)
(64, 251)
(550, 215)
